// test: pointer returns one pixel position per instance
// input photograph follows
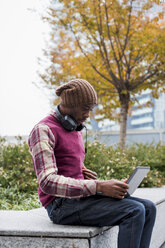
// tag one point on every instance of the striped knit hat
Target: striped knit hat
(77, 92)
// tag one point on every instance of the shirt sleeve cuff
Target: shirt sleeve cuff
(90, 187)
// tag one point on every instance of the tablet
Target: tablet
(136, 178)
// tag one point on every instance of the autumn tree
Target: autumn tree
(118, 46)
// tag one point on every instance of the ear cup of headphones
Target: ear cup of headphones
(80, 127)
(66, 121)
(69, 123)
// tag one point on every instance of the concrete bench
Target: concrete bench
(33, 228)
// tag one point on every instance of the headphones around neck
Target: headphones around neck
(68, 122)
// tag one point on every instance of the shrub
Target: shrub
(149, 155)
(16, 167)
(18, 184)
(12, 198)
(110, 162)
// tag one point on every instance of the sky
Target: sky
(22, 38)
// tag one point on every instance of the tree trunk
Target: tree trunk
(124, 101)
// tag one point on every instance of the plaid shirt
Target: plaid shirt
(42, 143)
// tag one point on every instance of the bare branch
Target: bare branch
(149, 73)
(93, 36)
(110, 39)
(143, 79)
(89, 60)
(128, 29)
(99, 27)
(151, 83)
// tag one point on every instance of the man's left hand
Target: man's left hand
(88, 174)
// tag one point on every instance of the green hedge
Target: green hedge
(111, 162)
(18, 184)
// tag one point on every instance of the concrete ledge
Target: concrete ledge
(33, 228)
(157, 195)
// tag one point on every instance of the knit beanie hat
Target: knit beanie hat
(77, 92)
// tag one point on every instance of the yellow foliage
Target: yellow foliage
(118, 48)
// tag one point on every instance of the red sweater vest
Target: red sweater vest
(69, 153)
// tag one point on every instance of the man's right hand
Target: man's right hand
(112, 188)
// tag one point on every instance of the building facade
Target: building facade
(142, 117)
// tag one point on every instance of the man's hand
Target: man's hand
(88, 174)
(112, 188)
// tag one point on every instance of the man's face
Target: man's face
(80, 114)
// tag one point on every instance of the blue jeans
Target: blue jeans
(134, 216)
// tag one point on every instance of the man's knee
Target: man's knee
(136, 215)
(139, 212)
(150, 208)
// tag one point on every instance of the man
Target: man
(69, 191)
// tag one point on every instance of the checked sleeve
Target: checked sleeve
(41, 144)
